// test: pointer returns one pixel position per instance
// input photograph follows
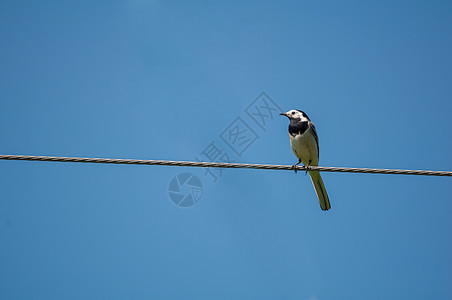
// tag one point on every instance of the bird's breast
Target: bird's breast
(304, 146)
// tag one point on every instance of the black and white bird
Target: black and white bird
(305, 145)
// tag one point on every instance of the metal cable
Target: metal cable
(222, 165)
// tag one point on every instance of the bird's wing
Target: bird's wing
(311, 125)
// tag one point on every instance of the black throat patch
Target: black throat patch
(297, 127)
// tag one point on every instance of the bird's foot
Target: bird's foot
(295, 166)
(307, 168)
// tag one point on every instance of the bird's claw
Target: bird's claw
(308, 168)
(295, 166)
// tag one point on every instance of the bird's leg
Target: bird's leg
(295, 165)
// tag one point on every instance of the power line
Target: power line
(222, 165)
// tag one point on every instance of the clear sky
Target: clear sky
(174, 80)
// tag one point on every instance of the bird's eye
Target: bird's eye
(293, 113)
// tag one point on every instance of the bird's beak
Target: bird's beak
(283, 114)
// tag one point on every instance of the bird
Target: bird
(305, 145)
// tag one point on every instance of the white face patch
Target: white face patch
(295, 114)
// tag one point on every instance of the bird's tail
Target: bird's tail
(320, 190)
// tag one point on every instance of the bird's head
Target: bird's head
(296, 114)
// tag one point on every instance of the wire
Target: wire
(222, 165)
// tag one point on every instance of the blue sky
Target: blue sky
(162, 80)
